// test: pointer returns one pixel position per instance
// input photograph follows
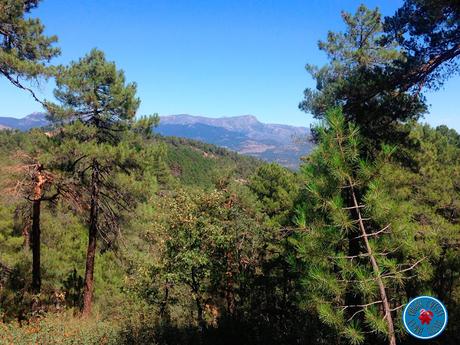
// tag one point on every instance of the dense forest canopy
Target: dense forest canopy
(111, 234)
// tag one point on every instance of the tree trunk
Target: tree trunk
(39, 181)
(375, 267)
(229, 293)
(92, 240)
(164, 310)
(200, 318)
(199, 307)
(26, 236)
(354, 248)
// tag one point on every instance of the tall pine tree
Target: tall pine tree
(358, 246)
(97, 112)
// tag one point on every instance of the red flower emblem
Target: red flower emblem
(425, 316)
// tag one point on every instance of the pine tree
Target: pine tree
(428, 33)
(276, 188)
(41, 179)
(357, 244)
(377, 69)
(357, 79)
(24, 50)
(97, 111)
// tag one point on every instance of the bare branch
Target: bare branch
(353, 207)
(18, 84)
(375, 233)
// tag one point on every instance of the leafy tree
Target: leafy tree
(358, 245)
(99, 108)
(207, 243)
(24, 50)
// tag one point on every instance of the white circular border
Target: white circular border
(432, 336)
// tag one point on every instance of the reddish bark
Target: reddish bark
(92, 242)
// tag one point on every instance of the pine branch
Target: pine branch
(353, 207)
(404, 270)
(360, 305)
(18, 84)
(399, 307)
(375, 233)
(363, 255)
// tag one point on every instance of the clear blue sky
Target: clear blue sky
(209, 57)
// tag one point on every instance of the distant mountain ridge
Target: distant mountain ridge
(283, 144)
(25, 123)
(244, 134)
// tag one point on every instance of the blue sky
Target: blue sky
(209, 57)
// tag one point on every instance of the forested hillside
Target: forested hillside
(201, 164)
(111, 234)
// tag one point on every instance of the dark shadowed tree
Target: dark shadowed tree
(376, 71)
(357, 79)
(428, 32)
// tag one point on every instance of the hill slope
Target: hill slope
(200, 164)
(192, 162)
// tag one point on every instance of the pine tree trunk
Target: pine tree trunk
(375, 267)
(36, 274)
(39, 181)
(164, 312)
(92, 241)
(354, 248)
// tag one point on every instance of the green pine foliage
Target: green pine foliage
(359, 78)
(430, 188)
(276, 188)
(25, 52)
(98, 149)
(340, 279)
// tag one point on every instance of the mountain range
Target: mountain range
(23, 124)
(246, 135)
